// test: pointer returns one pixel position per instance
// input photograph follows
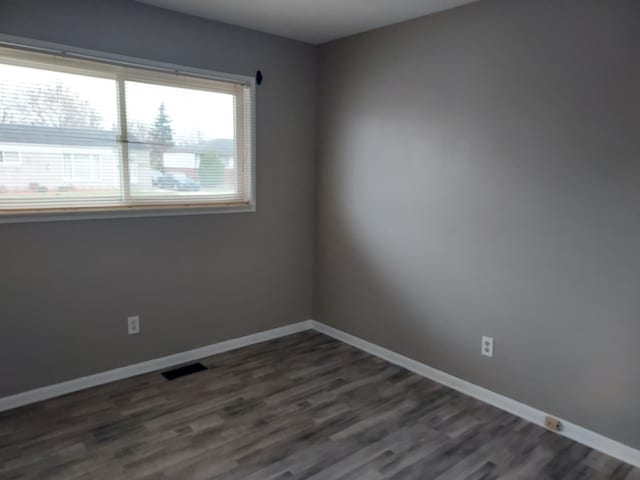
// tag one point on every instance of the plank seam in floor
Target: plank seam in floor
(571, 430)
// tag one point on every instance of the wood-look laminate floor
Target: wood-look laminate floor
(300, 407)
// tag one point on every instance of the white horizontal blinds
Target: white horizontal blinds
(92, 135)
(182, 141)
(58, 136)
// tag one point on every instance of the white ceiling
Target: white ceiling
(312, 21)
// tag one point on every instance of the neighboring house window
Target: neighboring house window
(8, 158)
(81, 167)
(89, 136)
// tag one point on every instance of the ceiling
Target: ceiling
(312, 21)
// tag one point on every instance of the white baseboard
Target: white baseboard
(82, 383)
(570, 430)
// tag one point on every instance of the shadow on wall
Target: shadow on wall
(476, 179)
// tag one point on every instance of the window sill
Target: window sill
(55, 215)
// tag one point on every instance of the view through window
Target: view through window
(82, 135)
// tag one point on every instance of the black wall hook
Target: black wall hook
(258, 77)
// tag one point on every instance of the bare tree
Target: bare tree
(138, 132)
(8, 102)
(47, 106)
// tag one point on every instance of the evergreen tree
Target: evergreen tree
(161, 136)
(162, 133)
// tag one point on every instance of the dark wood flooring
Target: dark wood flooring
(300, 407)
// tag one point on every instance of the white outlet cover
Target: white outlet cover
(133, 324)
(487, 347)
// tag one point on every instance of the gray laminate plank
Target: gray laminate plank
(299, 407)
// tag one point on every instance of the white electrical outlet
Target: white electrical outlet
(133, 324)
(487, 346)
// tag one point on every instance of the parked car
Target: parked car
(184, 183)
(175, 181)
(156, 175)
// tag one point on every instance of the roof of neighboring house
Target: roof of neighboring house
(224, 147)
(38, 135)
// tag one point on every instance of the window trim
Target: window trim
(136, 209)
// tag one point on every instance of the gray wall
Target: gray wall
(66, 288)
(479, 174)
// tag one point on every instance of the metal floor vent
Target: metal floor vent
(184, 371)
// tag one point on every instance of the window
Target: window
(88, 136)
(81, 167)
(8, 158)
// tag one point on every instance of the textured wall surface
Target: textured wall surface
(67, 287)
(479, 174)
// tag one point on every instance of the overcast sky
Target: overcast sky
(190, 111)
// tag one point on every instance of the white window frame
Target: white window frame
(35, 46)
